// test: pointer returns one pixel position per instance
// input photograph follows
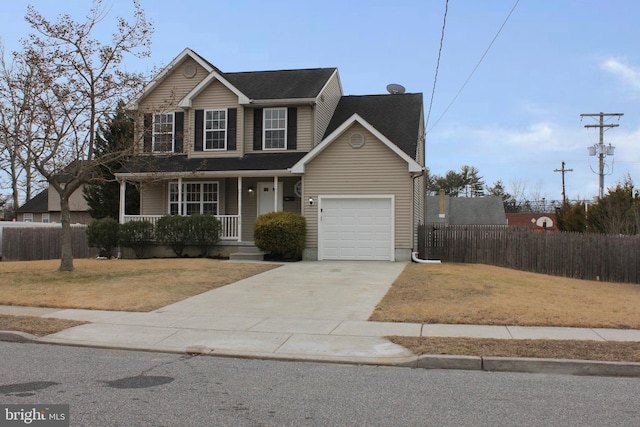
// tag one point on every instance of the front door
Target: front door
(266, 197)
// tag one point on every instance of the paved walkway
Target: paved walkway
(304, 311)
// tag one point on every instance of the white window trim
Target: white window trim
(153, 133)
(204, 130)
(264, 129)
(183, 193)
(27, 217)
(46, 218)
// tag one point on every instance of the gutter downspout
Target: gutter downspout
(414, 255)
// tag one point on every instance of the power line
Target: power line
(435, 77)
(474, 69)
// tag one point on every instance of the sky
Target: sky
(512, 111)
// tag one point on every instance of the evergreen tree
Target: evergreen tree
(571, 217)
(618, 212)
(510, 205)
(103, 196)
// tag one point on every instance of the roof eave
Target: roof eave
(187, 101)
(204, 174)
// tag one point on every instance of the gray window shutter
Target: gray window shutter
(147, 139)
(199, 125)
(292, 128)
(257, 129)
(232, 114)
(178, 123)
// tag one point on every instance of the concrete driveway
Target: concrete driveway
(340, 290)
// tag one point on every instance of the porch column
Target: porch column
(180, 196)
(239, 209)
(275, 194)
(123, 192)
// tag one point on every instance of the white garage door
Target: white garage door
(355, 228)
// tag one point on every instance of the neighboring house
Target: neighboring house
(447, 210)
(238, 145)
(45, 207)
(536, 221)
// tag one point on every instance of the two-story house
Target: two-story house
(241, 144)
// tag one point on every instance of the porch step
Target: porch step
(247, 253)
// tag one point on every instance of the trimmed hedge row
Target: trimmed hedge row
(174, 231)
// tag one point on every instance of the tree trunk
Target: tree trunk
(66, 255)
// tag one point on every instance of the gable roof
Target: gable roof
(38, 203)
(488, 210)
(397, 117)
(283, 84)
(412, 165)
(186, 53)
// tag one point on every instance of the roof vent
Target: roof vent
(395, 89)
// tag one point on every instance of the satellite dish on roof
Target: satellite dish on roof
(395, 89)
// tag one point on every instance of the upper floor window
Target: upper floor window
(163, 132)
(275, 128)
(215, 130)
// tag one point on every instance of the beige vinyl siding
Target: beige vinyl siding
(371, 169)
(230, 206)
(305, 129)
(304, 139)
(166, 96)
(77, 201)
(173, 88)
(250, 203)
(153, 199)
(327, 103)
(215, 97)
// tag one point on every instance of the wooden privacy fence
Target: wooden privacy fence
(578, 255)
(36, 243)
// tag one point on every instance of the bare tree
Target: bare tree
(82, 81)
(18, 91)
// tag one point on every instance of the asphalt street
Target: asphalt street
(115, 387)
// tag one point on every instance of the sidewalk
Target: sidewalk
(309, 311)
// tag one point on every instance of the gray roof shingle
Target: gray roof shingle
(38, 203)
(180, 163)
(284, 84)
(467, 210)
(396, 116)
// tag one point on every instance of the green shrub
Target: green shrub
(173, 231)
(103, 234)
(204, 232)
(137, 235)
(282, 234)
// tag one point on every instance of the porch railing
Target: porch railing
(228, 223)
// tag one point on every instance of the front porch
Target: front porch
(235, 201)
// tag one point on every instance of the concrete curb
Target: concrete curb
(561, 366)
(443, 361)
(16, 336)
(427, 361)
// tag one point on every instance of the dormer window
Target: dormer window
(215, 130)
(275, 128)
(162, 133)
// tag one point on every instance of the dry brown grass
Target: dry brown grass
(488, 295)
(35, 325)
(124, 285)
(552, 349)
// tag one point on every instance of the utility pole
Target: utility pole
(599, 149)
(563, 170)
